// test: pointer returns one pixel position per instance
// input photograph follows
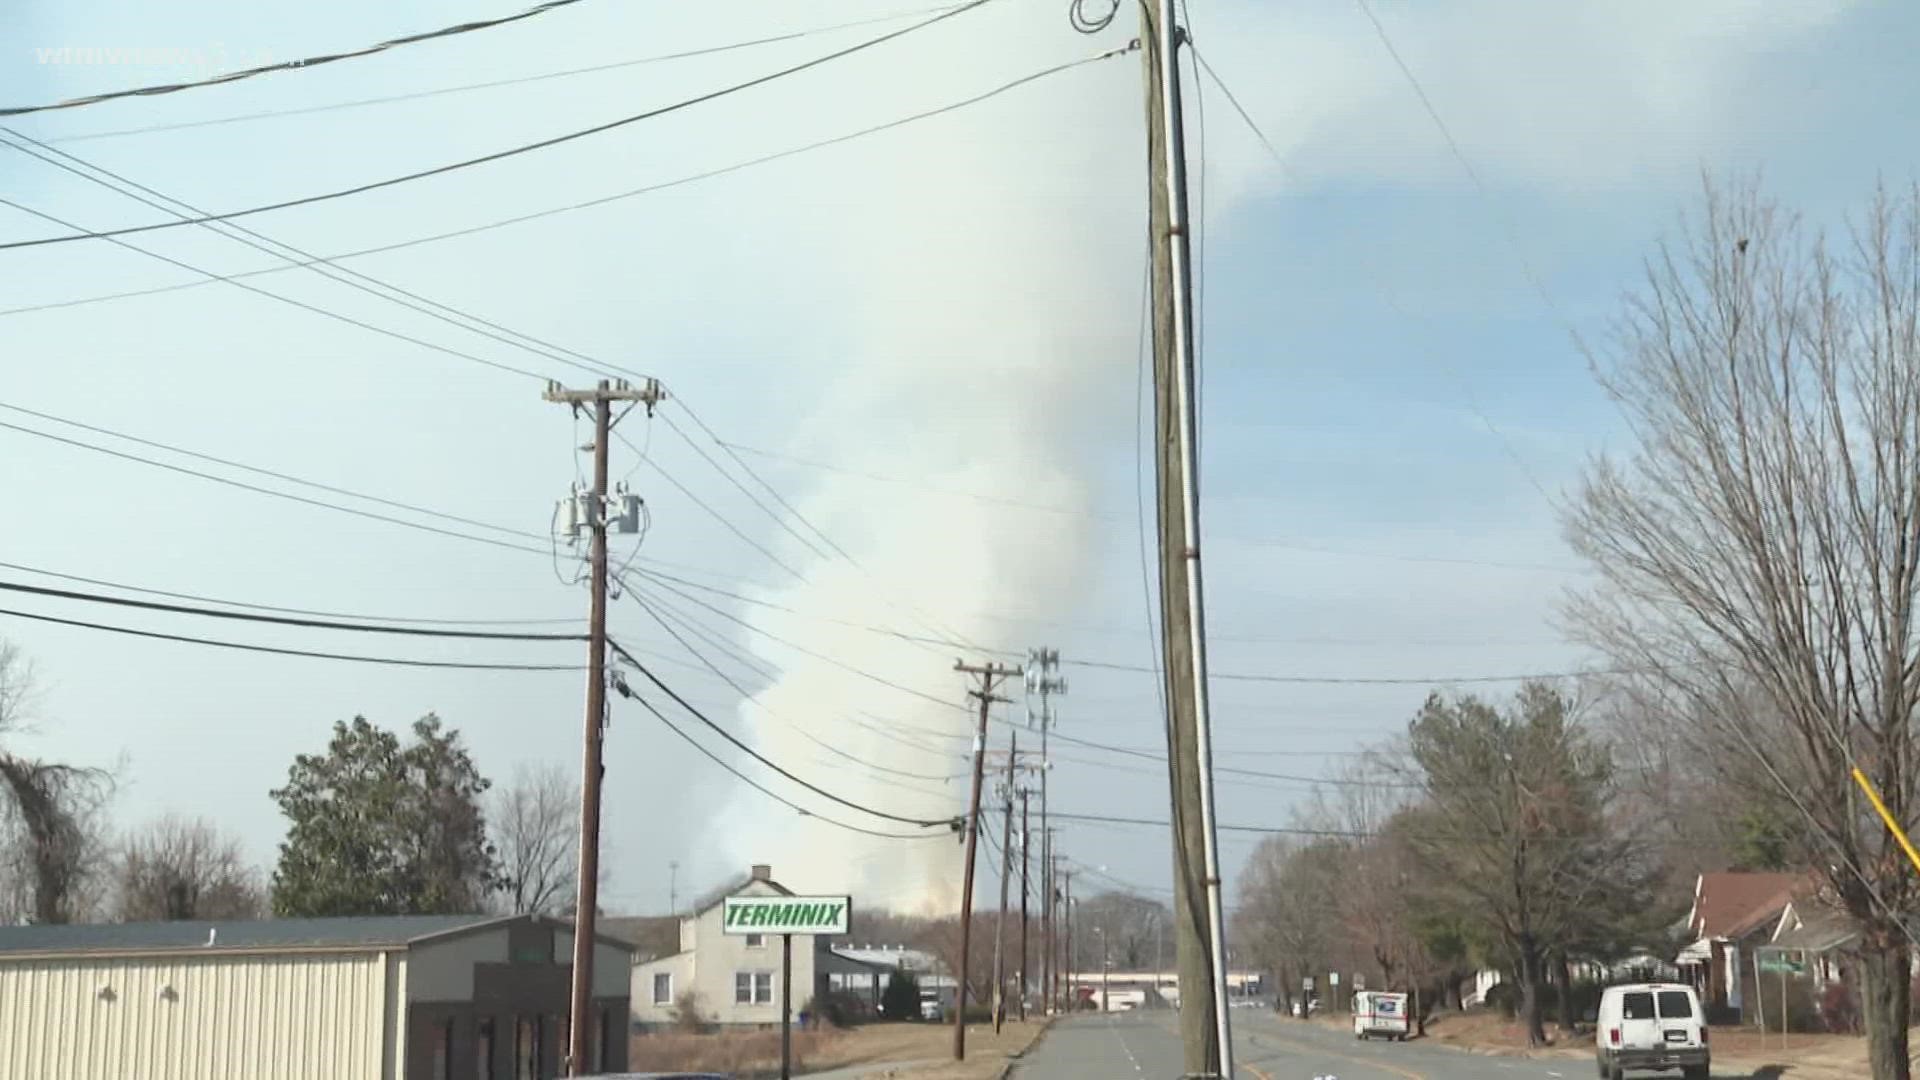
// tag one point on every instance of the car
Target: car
(1651, 1027)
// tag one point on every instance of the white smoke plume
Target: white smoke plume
(988, 266)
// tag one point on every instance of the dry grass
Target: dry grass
(746, 1053)
(738, 1053)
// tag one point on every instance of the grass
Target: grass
(750, 1052)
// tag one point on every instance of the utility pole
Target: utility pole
(593, 514)
(673, 888)
(1006, 874)
(991, 675)
(1205, 1028)
(1025, 845)
(1072, 997)
(1049, 966)
(1042, 665)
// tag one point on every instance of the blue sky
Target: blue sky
(1393, 391)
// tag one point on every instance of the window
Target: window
(1675, 1005)
(526, 1049)
(483, 1051)
(1636, 1006)
(443, 1050)
(756, 941)
(609, 1027)
(753, 988)
(663, 988)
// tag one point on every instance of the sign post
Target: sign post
(807, 916)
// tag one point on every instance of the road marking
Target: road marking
(1115, 1028)
(1372, 1063)
(1256, 1071)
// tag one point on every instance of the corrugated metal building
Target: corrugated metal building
(425, 997)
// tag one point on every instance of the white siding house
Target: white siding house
(736, 978)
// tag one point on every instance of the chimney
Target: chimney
(762, 872)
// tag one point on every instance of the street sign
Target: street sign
(1781, 965)
(787, 915)
(1306, 984)
(1333, 978)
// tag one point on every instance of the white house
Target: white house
(735, 978)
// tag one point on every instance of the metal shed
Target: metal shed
(425, 997)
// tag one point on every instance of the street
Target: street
(1147, 1044)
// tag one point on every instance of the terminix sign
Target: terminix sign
(787, 915)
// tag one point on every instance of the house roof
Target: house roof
(1730, 904)
(738, 884)
(1818, 934)
(368, 932)
(652, 936)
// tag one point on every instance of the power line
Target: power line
(245, 647)
(301, 304)
(1358, 680)
(1378, 280)
(124, 587)
(911, 610)
(756, 755)
(844, 666)
(685, 54)
(1294, 778)
(353, 279)
(330, 489)
(570, 207)
(1268, 830)
(716, 515)
(515, 151)
(1097, 515)
(1459, 155)
(292, 65)
(242, 485)
(762, 789)
(753, 699)
(283, 620)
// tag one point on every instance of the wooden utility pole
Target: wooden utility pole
(1006, 875)
(1199, 911)
(1024, 862)
(1071, 1000)
(991, 675)
(1049, 988)
(587, 899)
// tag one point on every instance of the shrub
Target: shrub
(1505, 997)
(839, 1009)
(688, 1012)
(901, 999)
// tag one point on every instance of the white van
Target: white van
(1653, 1027)
(1379, 1015)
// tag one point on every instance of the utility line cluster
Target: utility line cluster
(676, 622)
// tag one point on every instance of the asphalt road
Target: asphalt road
(1132, 1045)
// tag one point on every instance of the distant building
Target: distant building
(865, 971)
(424, 997)
(734, 977)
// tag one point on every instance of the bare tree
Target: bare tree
(1287, 897)
(185, 869)
(56, 848)
(51, 847)
(535, 826)
(1760, 552)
